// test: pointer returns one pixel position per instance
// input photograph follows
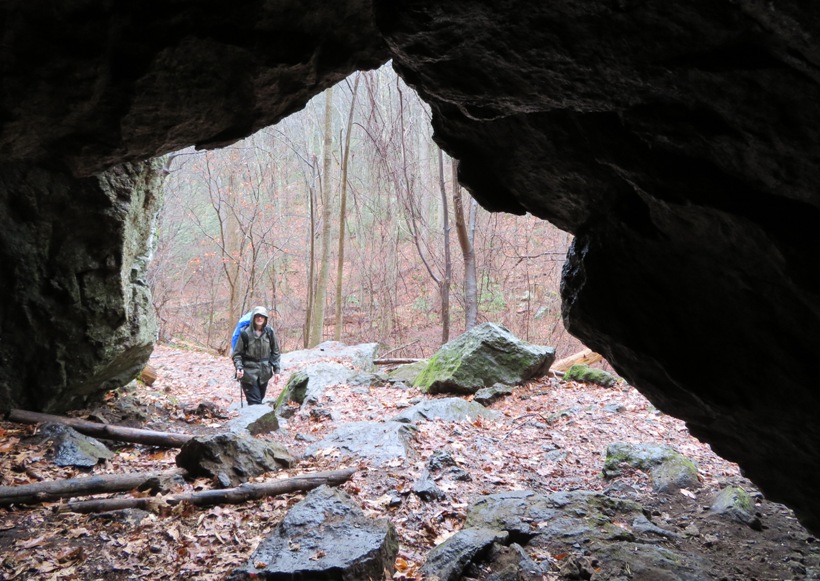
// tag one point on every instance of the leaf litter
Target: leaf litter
(551, 436)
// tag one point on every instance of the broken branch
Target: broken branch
(242, 493)
(56, 489)
(107, 431)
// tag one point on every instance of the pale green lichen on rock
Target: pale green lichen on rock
(295, 390)
(586, 374)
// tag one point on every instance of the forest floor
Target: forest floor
(513, 453)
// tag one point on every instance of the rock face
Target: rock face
(677, 141)
(76, 317)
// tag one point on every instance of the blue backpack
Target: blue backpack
(243, 322)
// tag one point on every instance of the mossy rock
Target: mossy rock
(485, 355)
(736, 503)
(295, 390)
(586, 374)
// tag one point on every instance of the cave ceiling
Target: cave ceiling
(677, 141)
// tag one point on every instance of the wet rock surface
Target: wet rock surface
(324, 537)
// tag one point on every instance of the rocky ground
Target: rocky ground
(551, 436)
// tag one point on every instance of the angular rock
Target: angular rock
(736, 503)
(71, 448)
(308, 384)
(378, 442)
(255, 419)
(588, 529)
(326, 536)
(487, 395)
(450, 409)
(448, 560)
(425, 488)
(484, 355)
(232, 458)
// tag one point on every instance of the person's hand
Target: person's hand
(240, 373)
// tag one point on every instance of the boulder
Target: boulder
(590, 529)
(378, 442)
(326, 536)
(484, 355)
(231, 458)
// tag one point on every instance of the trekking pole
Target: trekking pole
(239, 383)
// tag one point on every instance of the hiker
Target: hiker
(256, 356)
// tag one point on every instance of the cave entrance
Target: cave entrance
(246, 224)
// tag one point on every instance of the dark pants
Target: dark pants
(254, 392)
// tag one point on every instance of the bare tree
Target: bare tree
(317, 319)
(343, 214)
(465, 241)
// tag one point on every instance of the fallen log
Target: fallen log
(107, 431)
(51, 490)
(398, 361)
(239, 494)
(587, 357)
(148, 375)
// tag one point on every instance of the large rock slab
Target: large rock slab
(599, 536)
(324, 537)
(484, 355)
(378, 442)
(448, 409)
(360, 356)
(309, 383)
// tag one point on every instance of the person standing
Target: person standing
(256, 356)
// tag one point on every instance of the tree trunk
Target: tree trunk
(444, 284)
(98, 484)
(106, 431)
(342, 215)
(465, 241)
(317, 319)
(241, 493)
(310, 283)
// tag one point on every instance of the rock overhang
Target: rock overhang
(676, 141)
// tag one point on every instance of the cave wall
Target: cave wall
(677, 141)
(76, 317)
